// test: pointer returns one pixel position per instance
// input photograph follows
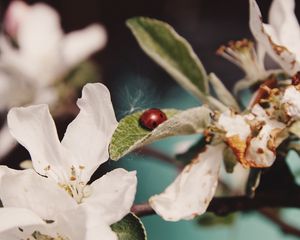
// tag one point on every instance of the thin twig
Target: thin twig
(285, 228)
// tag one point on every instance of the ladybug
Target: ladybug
(151, 118)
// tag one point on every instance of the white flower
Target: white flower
(63, 194)
(36, 206)
(281, 37)
(44, 54)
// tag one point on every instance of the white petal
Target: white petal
(258, 153)
(234, 124)
(39, 37)
(284, 21)
(89, 135)
(40, 31)
(291, 98)
(78, 224)
(192, 191)
(12, 218)
(286, 59)
(112, 195)
(34, 128)
(26, 189)
(79, 45)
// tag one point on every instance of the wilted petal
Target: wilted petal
(26, 189)
(291, 99)
(88, 136)
(284, 21)
(286, 59)
(261, 151)
(79, 45)
(35, 129)
(192, 191)
(112, 195)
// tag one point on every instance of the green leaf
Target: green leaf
(222, 92)
(253, 181)
(210, 219)
(129, 135)
(130, 228)
(295, 128)
(172, 52)
(230, 160)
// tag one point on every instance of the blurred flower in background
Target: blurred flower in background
(36, 58)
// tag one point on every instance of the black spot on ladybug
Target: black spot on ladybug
(151, 118)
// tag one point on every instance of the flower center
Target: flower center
(243, 54)
(74, 186)
(39, 236)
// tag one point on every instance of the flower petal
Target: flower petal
(14, 16)
(80, 224)
(12, 218)
(89, 135)
(192, 191)
(79, 45)
(34, 128)
(291, 99)
(286, 59)
(261, 151)
(112, 195)
(283, 19)
(39, 37)
(26, 189)
(234, 125)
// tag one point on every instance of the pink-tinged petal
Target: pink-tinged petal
(283, 19)
(27, 189)
(14, 16)
(39, 38)
(283, 56)
(89, 135)
(190, 194)
(112, 195)
(79, 45)
(35, 129)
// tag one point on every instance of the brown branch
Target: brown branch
(285, 228)
(225, 205)
(286, 194)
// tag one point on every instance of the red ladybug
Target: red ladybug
(151, 118)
